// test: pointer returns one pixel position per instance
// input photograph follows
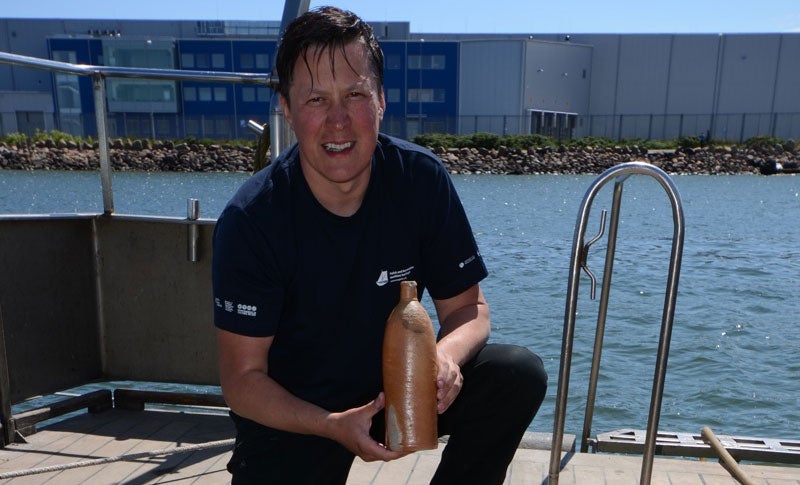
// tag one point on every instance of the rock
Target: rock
(168, 156)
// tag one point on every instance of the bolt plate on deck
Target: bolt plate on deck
(692, 444)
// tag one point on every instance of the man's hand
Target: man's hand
(464, 321)
(351, 429)
(448, 381)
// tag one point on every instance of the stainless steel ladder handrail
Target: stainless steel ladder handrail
(619, 174)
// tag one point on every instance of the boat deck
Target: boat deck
(117, 432)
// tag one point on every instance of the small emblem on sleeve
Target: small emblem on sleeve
(467, 261)
(246, 310)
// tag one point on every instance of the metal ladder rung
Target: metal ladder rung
(692, 444)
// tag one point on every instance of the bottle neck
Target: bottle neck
(408, 290)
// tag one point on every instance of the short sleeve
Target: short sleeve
(248, 295)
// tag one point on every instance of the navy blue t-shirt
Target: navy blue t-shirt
(324, 285)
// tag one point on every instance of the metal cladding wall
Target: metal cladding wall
(491, 77)
(557, 76)
(25, 37)
(692, 74)
(748, 66)
(787, 85)
(731, 86)
(502, 80)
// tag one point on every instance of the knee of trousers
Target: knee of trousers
(518, 373)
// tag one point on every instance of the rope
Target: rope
(112, 459)
(725, 458)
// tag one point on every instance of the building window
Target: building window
(394, 62)
(220, 93)
(204, 94)
(427, 62)
(218, 61)
(426, 95)
(262, 61)
(67, 85)
(248, 94)
(246, 61)
(65, 56)
(189, 93)
(187, 61)
(202, 60)
(393, 95)
(252, 94)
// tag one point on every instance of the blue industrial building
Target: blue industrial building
(651, 86)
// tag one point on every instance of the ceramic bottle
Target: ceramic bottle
(409, 375)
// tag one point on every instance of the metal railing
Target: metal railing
(580, 249)
(100, 73)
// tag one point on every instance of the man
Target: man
(308, 259)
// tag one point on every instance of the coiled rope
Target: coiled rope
(112, 459)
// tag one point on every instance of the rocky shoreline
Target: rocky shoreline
(143, 155)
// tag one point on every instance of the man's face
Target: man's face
(335, 111)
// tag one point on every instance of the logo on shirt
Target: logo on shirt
(468, 260)
(383, 278)
(393, 276)
(230, 307)
(246, 310)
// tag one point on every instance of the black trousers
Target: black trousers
(504, 385)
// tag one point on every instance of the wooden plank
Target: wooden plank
(684, 478)
(167, 436)
(114, 445)
(95, 401)
(117, 432)
(587, 474)
(135, 399)
(193, 465)
(425, 467)
(525, 470)
(363, 473)
(82, 447)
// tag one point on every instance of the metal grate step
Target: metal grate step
(773, 450)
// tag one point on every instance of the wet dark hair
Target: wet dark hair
(328, 29)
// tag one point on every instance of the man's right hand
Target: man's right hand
(351, 429)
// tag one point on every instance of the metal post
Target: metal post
(193, 230)
(5, 390)
(605, 293)
(101, 119)
(276, 121)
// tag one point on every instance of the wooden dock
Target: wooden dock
(118, 432)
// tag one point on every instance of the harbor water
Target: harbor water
(734, 362)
